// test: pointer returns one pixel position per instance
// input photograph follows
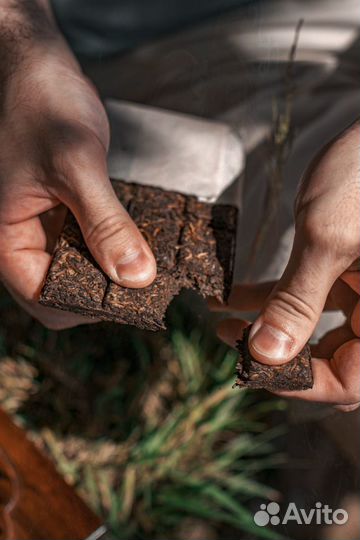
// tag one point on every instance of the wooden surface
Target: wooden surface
(35, 502)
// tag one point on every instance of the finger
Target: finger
(231, 330)
(342, 297)
(331, 341)
(109, 232)
(290, 315)
(23, 256)
(335, 381)
(347, 408)
(24, 263)
(51, 318)
(52, 222)
(355, 266)
(249, 297)
(352, 279)
(252, 297)
(355, 320)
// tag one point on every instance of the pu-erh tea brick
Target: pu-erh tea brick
(293, 375)
(193, 243)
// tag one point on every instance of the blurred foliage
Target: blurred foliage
(146, 426)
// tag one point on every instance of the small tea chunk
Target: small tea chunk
(293, 375)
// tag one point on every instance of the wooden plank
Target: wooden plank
(35, 501)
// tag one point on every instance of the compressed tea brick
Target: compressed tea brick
(159, 216)
(293, 375)
(193, 243)
(208, 246)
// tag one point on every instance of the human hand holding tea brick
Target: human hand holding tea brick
(323, 272)
(54, 137)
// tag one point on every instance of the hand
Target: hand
(325, 250)
(54, 136)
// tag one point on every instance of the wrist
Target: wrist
(27, 31)
(28, 20)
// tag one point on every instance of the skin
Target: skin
(54, 137)
(322, 273)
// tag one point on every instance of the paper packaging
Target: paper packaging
(175, 151)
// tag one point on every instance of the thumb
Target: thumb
(293, 309)
(109, 232)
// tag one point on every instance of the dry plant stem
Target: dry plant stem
(280, 145)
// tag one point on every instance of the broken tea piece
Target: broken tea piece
(294, 375)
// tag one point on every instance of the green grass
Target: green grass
(146, 426)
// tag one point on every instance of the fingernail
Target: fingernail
(135, 269)
(270, 342)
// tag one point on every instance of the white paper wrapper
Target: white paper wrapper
(175, 151)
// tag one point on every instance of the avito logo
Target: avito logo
(321, 514)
